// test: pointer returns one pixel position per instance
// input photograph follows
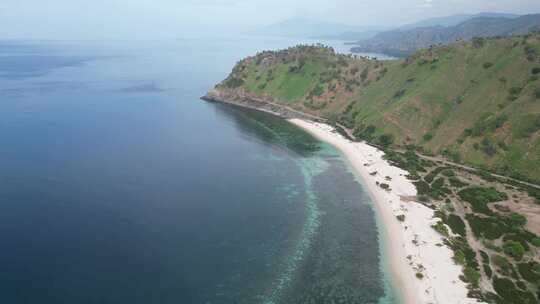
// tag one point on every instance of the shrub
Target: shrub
(438, 183)
(419, 275)
(455, 182)
(431, 175)
(487, 65)
(514, 249)
(456, 224)
(485, 175)
(518, 220)
(530, 271)
(515, 91)
(471, 276)
(454, 156)
(448, 173)
(463, 254)
(485, 257)
(385, 140)
(427, 137)
(459, 257)
(364, 74)
(423, 198)
(536, 242)
(508, 291)
(528, 125)
(503, 264)
(479, 197)
(488, 270)
(400, 93)
(488, 147)
(317, 91)
(490, 228)
(365, 133)
(401, 217)
(520, 236)
(530, 52)
(535, 70)
(440, 228)
(487, 122)
(521, 285)
(537, 93)
(489, 245)
(234, 82)
(478, 42)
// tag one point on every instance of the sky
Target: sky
(142, 19)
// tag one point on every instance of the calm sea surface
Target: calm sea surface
(118, 185)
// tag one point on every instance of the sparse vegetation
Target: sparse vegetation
(415, 109)
(530, 271)
(456, 224)
(537, 93)
(440, 228)
(479, 198)
(514, 249)
(315, 79)
(509, 292)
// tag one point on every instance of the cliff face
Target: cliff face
(476, 102)
(241, 97)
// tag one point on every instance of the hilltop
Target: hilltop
(406, 40)
(476, 103)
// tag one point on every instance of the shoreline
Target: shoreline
(411, 245)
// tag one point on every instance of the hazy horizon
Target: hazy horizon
(143, 19)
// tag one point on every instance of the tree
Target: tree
(364, 74)
(386, 140)
(518, 220)
(514, 249)
(478, 42)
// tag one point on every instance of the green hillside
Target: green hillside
(402, 41)
(475, 102)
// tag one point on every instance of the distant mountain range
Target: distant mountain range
(454, 20)
(406, 40)
(307, 28)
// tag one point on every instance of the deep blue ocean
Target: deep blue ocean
(118, 185)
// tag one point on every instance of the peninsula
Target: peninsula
(447, 141)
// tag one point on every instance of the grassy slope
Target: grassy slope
(427, 100)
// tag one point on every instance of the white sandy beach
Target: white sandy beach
(412, 245)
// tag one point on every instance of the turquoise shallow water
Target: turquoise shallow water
(118, 185)
(391, 295)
